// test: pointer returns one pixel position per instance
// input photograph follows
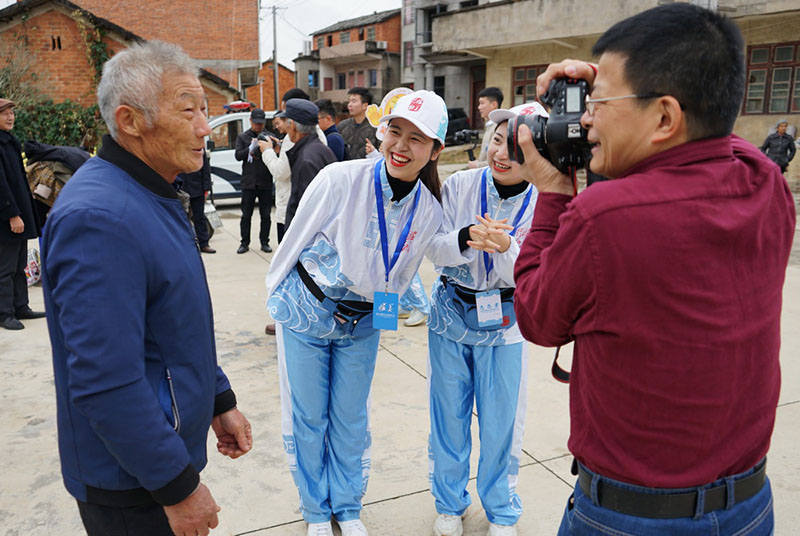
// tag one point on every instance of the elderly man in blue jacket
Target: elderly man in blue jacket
(137, 380)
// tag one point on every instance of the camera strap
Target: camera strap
(487, 262)
(559, 374)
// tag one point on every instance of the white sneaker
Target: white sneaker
(416, 318)
(447, 525)
(320, 529)
(404, 313)
(502, 530)
(354, 527)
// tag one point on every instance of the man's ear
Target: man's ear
(671, 125)
(130, 121)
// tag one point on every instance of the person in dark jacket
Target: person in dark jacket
(256, 181)
(356, 129)
(327, 122)
(309, 155)
(137, 382)
(49, 167)
(18, 223)
(198, 185)
(779, 146)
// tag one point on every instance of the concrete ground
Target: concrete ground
(256, 492)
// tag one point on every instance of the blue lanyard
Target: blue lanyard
(489, 264)
(382, 224)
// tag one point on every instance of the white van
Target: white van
(226, 171)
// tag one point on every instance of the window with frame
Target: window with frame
(361, 34)
(344, 37)
(320, 41)
(373, 77)
(341, 81)
(408, 11)
(408, 53)
(523, 82)
(773, 79)
(371, 33)
(313, 78)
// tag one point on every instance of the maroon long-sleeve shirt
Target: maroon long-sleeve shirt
(669, 280)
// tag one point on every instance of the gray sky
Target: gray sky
(297, 18)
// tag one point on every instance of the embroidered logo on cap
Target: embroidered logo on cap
(415, 105)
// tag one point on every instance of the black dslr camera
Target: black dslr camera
(465, 136)
(560, 139)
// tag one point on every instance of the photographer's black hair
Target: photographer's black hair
(366, 96)
(688, 52)
(492, 93)
(326, 108)
(295, 93)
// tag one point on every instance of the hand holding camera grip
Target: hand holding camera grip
(575, 69)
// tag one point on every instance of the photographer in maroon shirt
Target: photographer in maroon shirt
(668, 278)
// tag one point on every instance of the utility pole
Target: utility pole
(275, 54)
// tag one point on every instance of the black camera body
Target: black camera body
(560, 139)
(465, 136)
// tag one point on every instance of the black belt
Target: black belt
(672, 505)
(467, 295)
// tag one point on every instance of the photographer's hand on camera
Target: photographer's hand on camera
(265, 144)
(574, 69)
(538, 171)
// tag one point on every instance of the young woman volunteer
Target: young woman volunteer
(475, 347)
(357, 239)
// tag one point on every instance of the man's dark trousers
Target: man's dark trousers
(198, 205)
(13, 284)
(100, 520)
(264, 205)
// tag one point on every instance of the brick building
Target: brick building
(263, 94)
(221, 35)
(364, 51)
(55, 32)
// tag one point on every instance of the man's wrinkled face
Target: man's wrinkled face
(7, 119)
(174, 144)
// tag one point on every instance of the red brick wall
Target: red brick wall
(215, 100)
(206, 29)
(285, 83)
(65, 73)
(389, 31)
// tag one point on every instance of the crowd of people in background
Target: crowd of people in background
(667, 277)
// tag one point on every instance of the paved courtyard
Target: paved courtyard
(256, 492)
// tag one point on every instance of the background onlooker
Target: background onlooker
(356, 129)
(489, 99)
(327, 122)
(18, 223)
(779, 146)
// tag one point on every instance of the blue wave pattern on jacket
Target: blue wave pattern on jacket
(127, 299)
(295, 307)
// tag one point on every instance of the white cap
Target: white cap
(529, 108)
(426, 110)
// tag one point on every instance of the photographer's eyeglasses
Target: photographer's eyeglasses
(591, 102)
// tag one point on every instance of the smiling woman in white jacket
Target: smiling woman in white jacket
(357, 239)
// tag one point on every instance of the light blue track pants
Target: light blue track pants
(496, 377)
(415, 297)
(325, 388)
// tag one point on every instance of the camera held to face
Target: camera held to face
(560, 139)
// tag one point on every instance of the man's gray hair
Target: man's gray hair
(133, 77)
(304, 129)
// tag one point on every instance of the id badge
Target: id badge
(385, 310)
(489, 308)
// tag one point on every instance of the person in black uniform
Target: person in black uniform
(779, 146)
(18, 223)
(198, 186)
(256, 181)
